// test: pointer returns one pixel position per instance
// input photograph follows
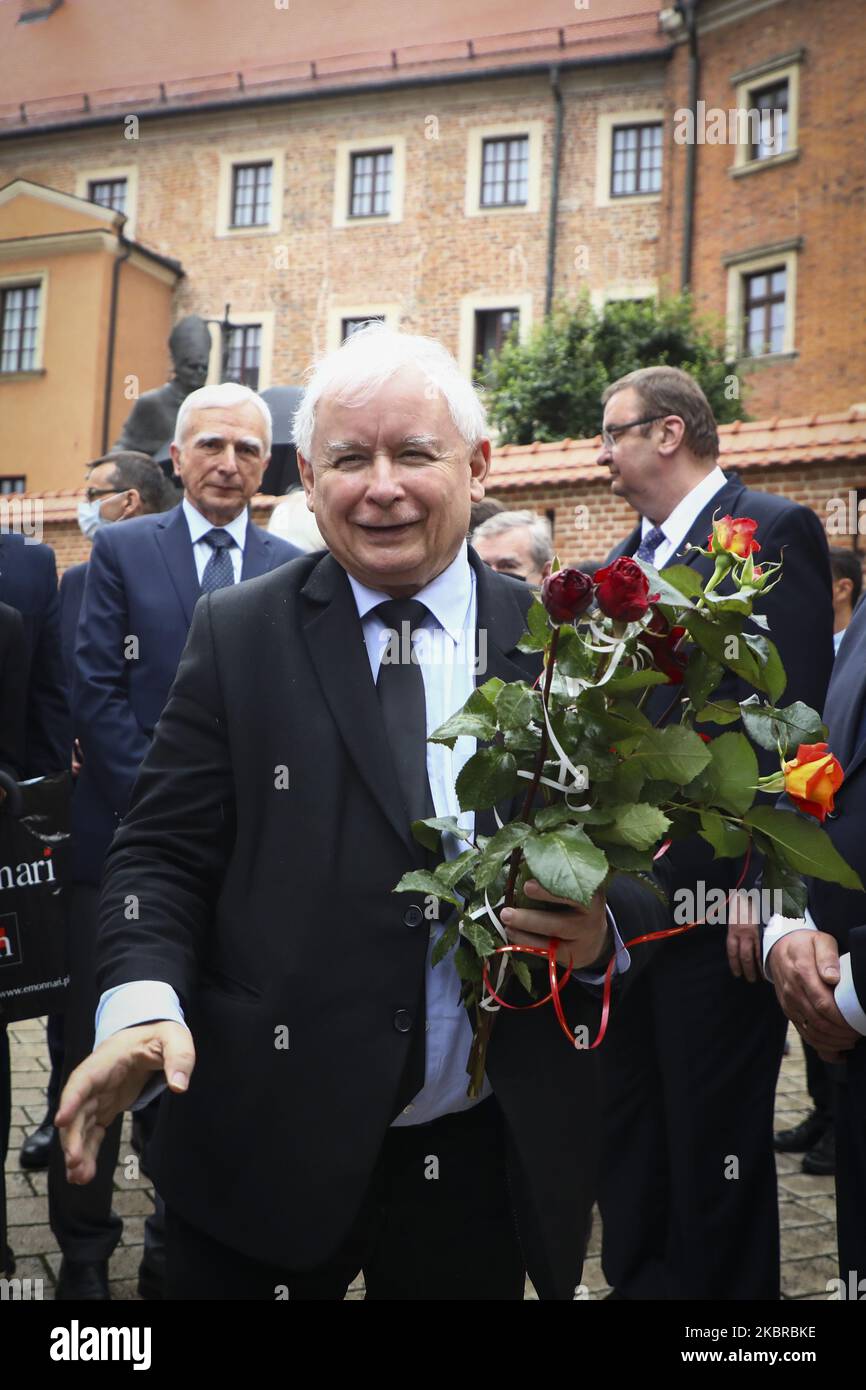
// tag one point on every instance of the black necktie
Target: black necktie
(400, 686)
(218, 571)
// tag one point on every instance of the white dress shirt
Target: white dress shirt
(684, 516)
(202, 552)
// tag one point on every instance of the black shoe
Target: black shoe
(36, 1149)
(802, 1137)
(821, 1159)
(151, 1282)
(82, 1280)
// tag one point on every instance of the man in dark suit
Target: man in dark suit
(689, 1199)
(143, 582)
(822, 991)
(28, 582)
(269, 827)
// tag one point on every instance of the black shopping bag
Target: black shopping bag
(34, 848)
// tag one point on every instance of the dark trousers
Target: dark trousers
(822, 1080)
(437, 1223)
(689, 1069)
(851, 1167)
(84, 1224)
(5, 1119)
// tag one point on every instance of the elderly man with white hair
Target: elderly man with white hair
(317, 1121)
(516, 543)
(143, 581)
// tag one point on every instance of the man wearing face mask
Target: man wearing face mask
(142, 584)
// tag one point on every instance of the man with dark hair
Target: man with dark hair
(847, 570)
(689, 1197)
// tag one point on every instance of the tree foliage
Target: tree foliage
(549, 387)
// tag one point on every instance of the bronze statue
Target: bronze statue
(150, 424)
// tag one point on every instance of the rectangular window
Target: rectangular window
(505, 172)
(492, 327)
(370, 183)
(636, 160)
(770, 129)
(108, 193)
(12, 484)
(764, 312)
(350, 326)
(19, 316)
(251, 194)
(245, 355)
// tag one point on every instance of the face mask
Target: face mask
(89, 518)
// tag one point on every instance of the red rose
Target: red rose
(566, 594)
(734, 534)
(622, 590)
(664, 651)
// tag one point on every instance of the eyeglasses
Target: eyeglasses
(91, 493)
(609, 435)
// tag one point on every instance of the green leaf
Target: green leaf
(477, 719)
(538, 629)
(718, 712)
(498, 848)
(566, 863)
(627, 860)
(804, 845)
(728, 841)
(446, 942)
(779, 877)
(674, 754)
(774, 678)
(702, 677)
(429, 832)
(627, 780)
(667, 593)
(636, 680)
(422, 881)
(789, 727)
(478, 936)
(468, 965)
(491, 689)
(642, 827)
(522, 740)
(517, 706)
(572, 655)
(733, 773)
(523, 973)
(450, 871)
(489, 776)
(685, 579)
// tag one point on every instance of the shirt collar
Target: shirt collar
(199, 525)
(684, 515)
(447, 596)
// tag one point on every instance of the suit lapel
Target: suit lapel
(175, 546)
(257, 553)
(843, 710)
(724, 503)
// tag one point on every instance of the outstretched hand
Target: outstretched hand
(110, 1080)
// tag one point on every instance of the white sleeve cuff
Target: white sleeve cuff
(845, 995)
(779, 926)
(623, 959)
(140, 1001)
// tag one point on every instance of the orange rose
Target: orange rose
(734, 534)
(812, 779)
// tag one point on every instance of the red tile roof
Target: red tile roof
(815, 439)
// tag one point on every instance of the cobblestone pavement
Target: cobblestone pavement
(806, 1204)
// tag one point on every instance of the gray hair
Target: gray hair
(213, 397)
(540, 536)
(356, 370)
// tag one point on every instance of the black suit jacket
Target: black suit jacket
(13, 691)
(28, 582)
(140, 590)
(842, 911)
(71, 595)
(800, 614)
(266, 907)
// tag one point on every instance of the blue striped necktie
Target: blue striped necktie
(649, 545)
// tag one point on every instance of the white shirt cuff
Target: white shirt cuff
(623, 959)
(779, 926)
(125, 1006)
(845, 995)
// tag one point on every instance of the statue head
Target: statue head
(190, 346)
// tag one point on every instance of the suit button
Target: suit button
(413, 916)
(402, 1020)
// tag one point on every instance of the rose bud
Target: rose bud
(622, 590)
(812, 779)
(566, 595)
(664, 651)
(735, 534)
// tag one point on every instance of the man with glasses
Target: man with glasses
(689, 1197)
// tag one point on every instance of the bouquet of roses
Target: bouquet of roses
(603, 790)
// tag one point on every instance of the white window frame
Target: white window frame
(117, 171)
(476, 136)
(228, 162)
(338, 310)
(626, 289)
(343, 174)
(12, 282)
(240, 319)
(470, 303)
(753, 264)
(766, 75)
(604, 156)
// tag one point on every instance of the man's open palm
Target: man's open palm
(110, 1080)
